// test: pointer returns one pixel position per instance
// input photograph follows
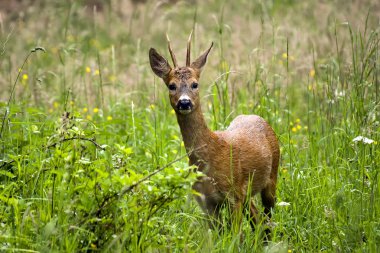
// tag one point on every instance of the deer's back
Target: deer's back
(253, 149)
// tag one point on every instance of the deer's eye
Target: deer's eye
(172, 87)
(194, 86)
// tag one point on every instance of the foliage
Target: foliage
(91, 157)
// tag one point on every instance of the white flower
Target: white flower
(282, 203)
(365, 140)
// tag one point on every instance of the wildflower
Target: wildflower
(294, 129)
(96, 110)
(298, 127)
(182, 144)
(298, 120)
(289, 251)
(312, 73)
(305, 127)
(151, 106)
(365, 140)
(97, 72)
(71, 102)
(55, 104)
(85, 110)
(88, 70)
(282, 203)
(310, 87)
(284, 170)
(172, 111)
(25, 77)
(285, 55)
(112, 78)
(89, 117)
(109, 118)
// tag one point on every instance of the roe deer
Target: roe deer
(238, 162)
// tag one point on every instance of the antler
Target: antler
(188, 50)
(171, 52)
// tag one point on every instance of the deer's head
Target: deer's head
(182, 82)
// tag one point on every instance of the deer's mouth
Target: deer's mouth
(184, 105)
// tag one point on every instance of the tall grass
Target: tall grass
(88, 136)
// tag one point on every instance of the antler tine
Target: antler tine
(188, 49)
(171, 52)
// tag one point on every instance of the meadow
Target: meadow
(91, 156)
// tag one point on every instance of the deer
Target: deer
(236, 163)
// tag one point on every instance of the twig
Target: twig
(77, 138)
(5, 163)
(127, 189)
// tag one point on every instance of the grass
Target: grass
(88, 136)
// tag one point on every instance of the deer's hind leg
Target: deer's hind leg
(268, 198)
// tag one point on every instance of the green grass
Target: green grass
(85, 123)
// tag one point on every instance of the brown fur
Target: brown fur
(238, 162)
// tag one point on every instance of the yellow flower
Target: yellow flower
(305, 127)
(109, 118)
(284, 55)
(182, 144)
(89, 117)
(312, 73)
(88, 70)
(298, 127)
(152, 106)
(294, 129)
(310, 87)
(85, 110)
(55, 104)
(289, 251)
(97, 72)
(298, 120)
(172, 111)
(284, 170)
(25, 77)
(96, 110)
(71, 102)
(112, 78)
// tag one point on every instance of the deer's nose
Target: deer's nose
(184, 103)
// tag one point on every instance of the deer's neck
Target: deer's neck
(195, 133)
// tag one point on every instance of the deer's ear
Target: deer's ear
(201, 60)
(159, 64)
